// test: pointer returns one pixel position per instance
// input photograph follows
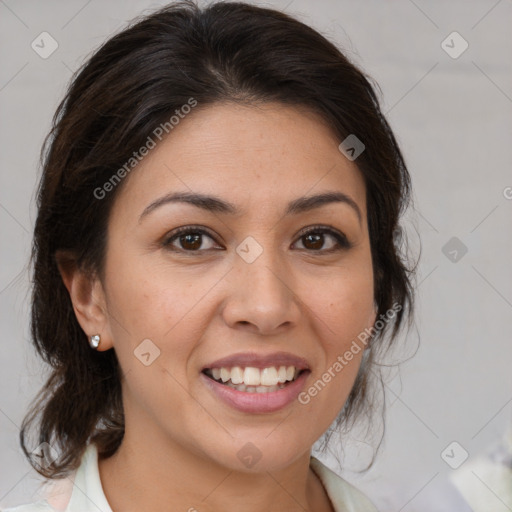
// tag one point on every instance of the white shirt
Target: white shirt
(87, 493)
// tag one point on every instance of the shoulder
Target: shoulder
(343, 495)
(38, 506)
(53, 495)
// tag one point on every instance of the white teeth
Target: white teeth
(252, 376)
(254, 380)
(255, 389)
(237, 375)
(281, 374)
(269, 376)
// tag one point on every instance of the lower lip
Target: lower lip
(257, 402)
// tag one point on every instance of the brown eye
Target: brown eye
(189, 239)
(315, 239)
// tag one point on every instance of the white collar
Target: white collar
(87, 492)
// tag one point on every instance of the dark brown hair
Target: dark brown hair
(134, 82)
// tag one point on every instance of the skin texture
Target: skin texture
(180, 447)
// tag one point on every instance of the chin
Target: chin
(259, 454)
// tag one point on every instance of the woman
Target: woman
(216, 266)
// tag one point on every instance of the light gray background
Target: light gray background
(453, 120)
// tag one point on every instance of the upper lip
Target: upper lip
(260, 361)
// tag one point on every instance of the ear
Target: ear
(88, 299)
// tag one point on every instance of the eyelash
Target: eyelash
(342, 242)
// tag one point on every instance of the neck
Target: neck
(148, 473)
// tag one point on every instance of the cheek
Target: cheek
(154, 311)
(342, 310)
(343, 305)
(152, 299)
(161, 304)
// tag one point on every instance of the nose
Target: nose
(261, 296)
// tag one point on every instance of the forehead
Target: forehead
(254, 156)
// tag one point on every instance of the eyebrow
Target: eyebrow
(216, 205)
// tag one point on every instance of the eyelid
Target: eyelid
(183, 230)
(339, 236)
(342, 241)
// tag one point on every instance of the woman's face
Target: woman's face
(246, 282)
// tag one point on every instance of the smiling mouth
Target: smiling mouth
(254, 380)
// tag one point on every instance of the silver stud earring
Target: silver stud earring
(94, 341)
